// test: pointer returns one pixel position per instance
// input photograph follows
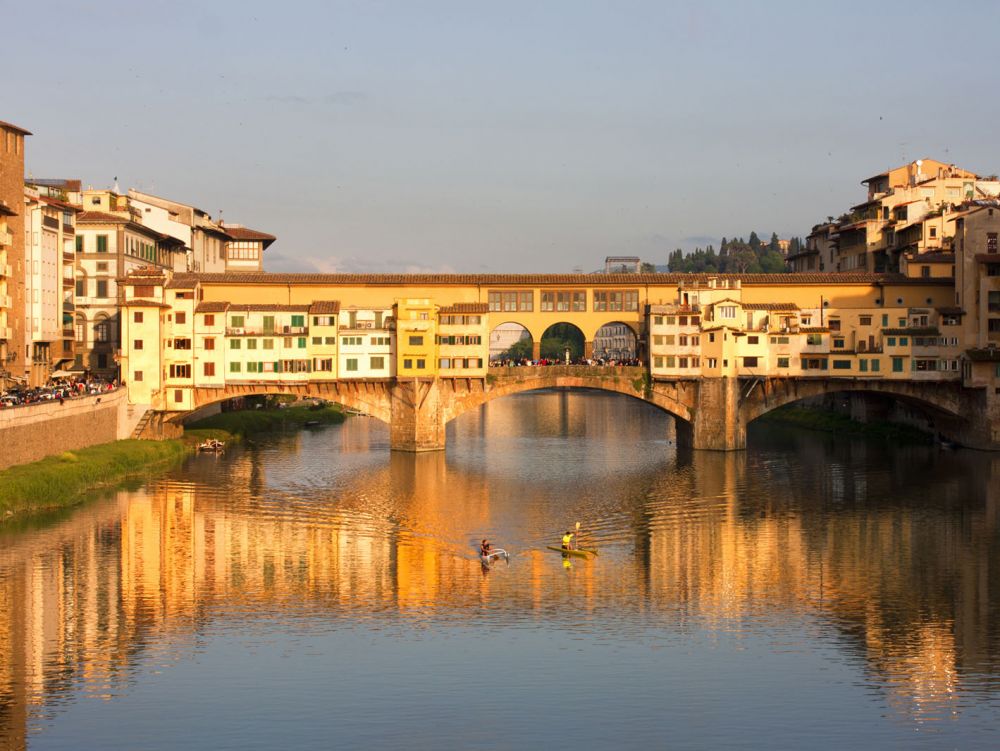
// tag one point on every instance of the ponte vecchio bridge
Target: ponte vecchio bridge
(716, 352)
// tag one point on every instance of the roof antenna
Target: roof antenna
(116, 189)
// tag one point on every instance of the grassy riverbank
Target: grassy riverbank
(65, 479)
(835, 422)
(247, 421)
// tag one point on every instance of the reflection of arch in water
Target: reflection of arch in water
(616, 341)
(510, 335)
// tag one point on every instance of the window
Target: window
(102, 288)
(209, 368)
(287, 342)
(749, 362)
(181, 317)
(178, 395)
(298, 320)
(236, 322)
(137, 375)
(210, 342)
(251, 344)
(991, 242)
(838, 343)
(209, 319)
(615, 300)
(235, 367)
(864, 320)
(79, 243)
(407, 363)
(445, 363)
(330, 340)
(137, 344)
(933, 232)
(378, 363)
(421, 364)
(324, 365)
(351, 364)
(782, 362)
(268, 343)
(415, 341)
(180, 371)
(713, 363)
(235, 344)
(727, 311)
(841, 364)
(834, 324)
(903, 341)
(814, 339)
(658, 361)
(81, 288)
(317, 340)
(897, 365)
(753, 340)
(137, 317)
(302, 342)
(779, 340)
(102, 243)
(658, 320)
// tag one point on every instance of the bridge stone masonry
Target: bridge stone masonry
(714, 351)
(710, 414)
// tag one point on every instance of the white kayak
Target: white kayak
(495, 555)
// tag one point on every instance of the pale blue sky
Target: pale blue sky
(501, 137)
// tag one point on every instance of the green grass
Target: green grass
(247, 421)
(65, 479)
(835, 422)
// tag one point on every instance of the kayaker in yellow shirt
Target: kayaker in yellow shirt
(567, 540)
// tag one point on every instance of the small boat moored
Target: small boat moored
(212, 444)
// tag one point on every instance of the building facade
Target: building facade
(12, 265)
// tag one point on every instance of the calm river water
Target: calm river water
(315, 590)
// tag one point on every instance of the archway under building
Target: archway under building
(562, 342)
(615, 341)
(510, 342)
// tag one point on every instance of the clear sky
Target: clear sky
(500, 136)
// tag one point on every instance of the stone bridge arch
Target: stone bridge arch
(947, 405)
(459, 397)
(372, 397)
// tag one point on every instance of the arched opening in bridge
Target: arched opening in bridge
(562, 342)
(893, 415)
(615, 341)
(510, 342)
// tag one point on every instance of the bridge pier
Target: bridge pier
(717, 424)
(417, 422)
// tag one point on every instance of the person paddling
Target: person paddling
(567, 540)
(484, 549)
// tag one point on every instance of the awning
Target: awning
(63, 374)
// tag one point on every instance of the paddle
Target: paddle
(577, 545)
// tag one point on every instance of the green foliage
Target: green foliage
(557, 338)
(60, 481)
(835, 422)
(735, 257)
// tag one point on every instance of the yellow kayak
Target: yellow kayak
(578, 552)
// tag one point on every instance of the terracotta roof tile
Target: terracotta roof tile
(140, 303)
(770, 306)
(465, 307)
(950, 310)
(252, 308)
(325, 307)
(580, 280)
(100, 217)
(245, 233)
(212, 307)
(814, 330)
(17, 128)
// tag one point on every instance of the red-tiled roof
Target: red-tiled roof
(770, 306)
(950, 310)
(140, 303)
(211, 307)
(264, 308)
(18, 128)
(465, 307)
(182, 281)
(100, 217)
(579, 280)
(245, 233)
(814, 330)
(325, 307)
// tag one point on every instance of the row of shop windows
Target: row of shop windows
(551, 301)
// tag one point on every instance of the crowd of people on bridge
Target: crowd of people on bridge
(57, 389)
(581, 361)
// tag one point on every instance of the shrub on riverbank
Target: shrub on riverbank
(247, 421)
(64, 479)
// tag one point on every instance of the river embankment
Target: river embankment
(71, 477)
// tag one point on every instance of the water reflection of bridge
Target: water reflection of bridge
(79, 600)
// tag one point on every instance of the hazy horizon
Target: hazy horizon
(447, 136)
